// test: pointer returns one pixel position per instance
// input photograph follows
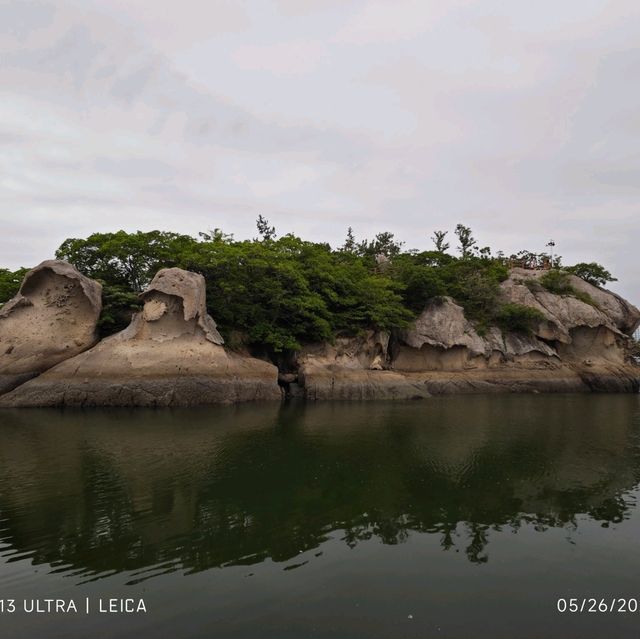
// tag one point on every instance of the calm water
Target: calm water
(453, 517)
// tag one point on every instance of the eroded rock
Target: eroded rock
(367, 351)
(352, 368)
(170, 355)
(444, 325)
(579, 346)
(52, 318)
(563, 313)
(173, 286)
(442, 339)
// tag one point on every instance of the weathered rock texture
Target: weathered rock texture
(170, 355)
(52, 318)
(565, 312)
(578, 346)
(352, 368)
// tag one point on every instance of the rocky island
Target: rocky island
(170, 355)
(304, 321)
(574, 347)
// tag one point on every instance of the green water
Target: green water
(453, 517)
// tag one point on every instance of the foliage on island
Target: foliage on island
(592, 272)
(557, 281)
(282, 292)
(10, 283)
(518, 318)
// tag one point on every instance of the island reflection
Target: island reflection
(124, 490)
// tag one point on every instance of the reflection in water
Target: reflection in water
(151, 491)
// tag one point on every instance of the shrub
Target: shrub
(584, 297)
(518, 318)
(556, 281)
(533, 285)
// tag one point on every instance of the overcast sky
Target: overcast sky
(519, 119)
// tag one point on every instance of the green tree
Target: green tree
(265, 231)
(349, 245)
(124, 263)
(118, 305)
(127, 259)
(383, 244)
(421, 277)
(592, 272)
(440, 242)
(215, 235)
(474, 283)
(466, 239)
(10, 283)
(284, 293)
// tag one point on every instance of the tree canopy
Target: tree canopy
(592, 272)
(280, 292)
(10, 283)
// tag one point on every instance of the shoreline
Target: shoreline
(321, 385)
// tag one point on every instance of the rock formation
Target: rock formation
(563, 313)
(352, 368)
(170, 355)
(52, 318)
(580, 345)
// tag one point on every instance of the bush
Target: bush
(533, 285)
(556, 281)
(584, 297)
(518, 318)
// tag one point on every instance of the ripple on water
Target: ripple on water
(344, 498)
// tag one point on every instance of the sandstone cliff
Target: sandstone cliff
(53, 317)
(170, 355)
(353, 368)
(577, 346)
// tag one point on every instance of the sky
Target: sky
(519, 119)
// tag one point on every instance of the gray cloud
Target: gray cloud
(520, 120)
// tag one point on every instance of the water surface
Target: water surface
(453, 517)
